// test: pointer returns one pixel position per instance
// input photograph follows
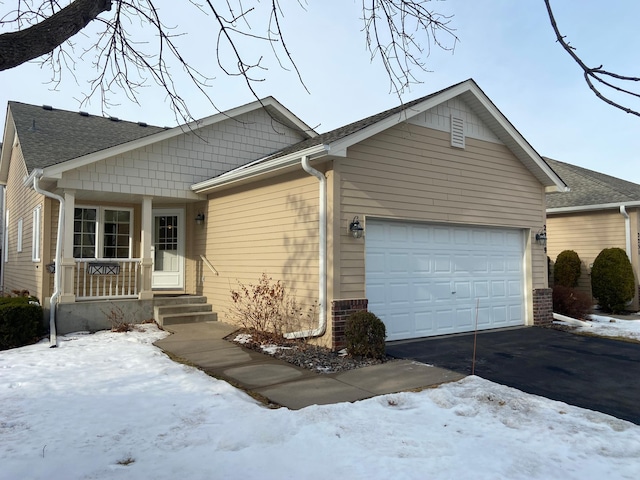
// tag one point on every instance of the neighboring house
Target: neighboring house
(443, 193)
(599, 212)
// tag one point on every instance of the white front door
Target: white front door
(168, 249)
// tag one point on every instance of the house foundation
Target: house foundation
(340, 312)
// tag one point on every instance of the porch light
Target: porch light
(355, 228)
(200, 218)
(541, 237)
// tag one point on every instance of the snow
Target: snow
(606, 326)
(113, 406)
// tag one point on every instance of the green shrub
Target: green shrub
(612, 280)
(20, 322)
(365, 334)
(571, 302)
(566, 270)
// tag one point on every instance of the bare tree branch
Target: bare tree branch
(127, 58)
(43, 37)
(594, 76)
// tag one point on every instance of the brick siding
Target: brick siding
(542, 306)
(340, 311)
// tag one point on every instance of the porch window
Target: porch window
(101, 230)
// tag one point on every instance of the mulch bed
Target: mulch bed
(301, 354)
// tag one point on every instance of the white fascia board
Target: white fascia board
(403, 115)
(586, 208)
(7, 147)
(557, 184)
(244, 173)
(56, 171)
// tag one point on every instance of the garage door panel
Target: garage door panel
(413, 270)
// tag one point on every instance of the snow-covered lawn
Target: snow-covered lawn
(111, 405)
(613, 327)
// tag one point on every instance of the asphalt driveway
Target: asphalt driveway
(589, 372)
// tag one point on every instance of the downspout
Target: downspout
(322, 255)
(53, 339)
(627, 230)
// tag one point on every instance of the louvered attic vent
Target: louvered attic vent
(457, 132)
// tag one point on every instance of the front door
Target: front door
(168, 249)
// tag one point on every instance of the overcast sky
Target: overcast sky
(507, 46)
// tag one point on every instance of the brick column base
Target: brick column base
(340, 311)
(542, 307)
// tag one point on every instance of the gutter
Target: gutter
(322, 255)
(585, 208)
(627, 230)
(35, 177)
(258, 168)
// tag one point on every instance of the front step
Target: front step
(184, 309)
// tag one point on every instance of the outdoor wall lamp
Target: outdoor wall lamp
(541, 237)
(355, 228)
(200, 218)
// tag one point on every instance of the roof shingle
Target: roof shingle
(589, 187)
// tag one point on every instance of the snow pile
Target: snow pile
(614, 327)
(112, 406)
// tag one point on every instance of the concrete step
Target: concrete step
(191, 317)
(173, 310)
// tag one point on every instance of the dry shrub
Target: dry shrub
(571, 302)
(267, 307)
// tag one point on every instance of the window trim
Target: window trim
(20, 234)
(100, 214)
(37, 230)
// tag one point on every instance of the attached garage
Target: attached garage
(427, 279)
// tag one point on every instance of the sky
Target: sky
(508, 47)
(113, 406)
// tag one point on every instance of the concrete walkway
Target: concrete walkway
(281, 383)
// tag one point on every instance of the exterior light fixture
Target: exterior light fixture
(200, 218)
(355, 228)
(541, 237)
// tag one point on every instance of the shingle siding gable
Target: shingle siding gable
(169, 168)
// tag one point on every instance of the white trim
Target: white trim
(6, 236)
(180, 276)
(19, 242)
(35, 238)
(586, 208)
(56, 171)
(255, 169)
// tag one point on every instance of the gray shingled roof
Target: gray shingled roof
(589, 187)
(51, 136)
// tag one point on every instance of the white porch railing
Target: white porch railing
(102, 278)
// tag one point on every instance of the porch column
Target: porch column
(146, 261)
(67, 294)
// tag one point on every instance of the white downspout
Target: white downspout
(53, 339)
(322, 260)
(627, 230)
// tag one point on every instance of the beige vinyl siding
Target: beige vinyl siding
(268, 227)
(412, 173)
(588, 233)
(20, 272)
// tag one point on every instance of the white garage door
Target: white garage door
(425, 280)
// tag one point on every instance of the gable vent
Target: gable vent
(457, 132)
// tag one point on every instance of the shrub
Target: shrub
(566, 270)
(571, 302)
(365, 334)
(20, 321)
(612, 280)
(266, 307)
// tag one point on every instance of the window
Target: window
(19, 246)
(35, 241)
(105, 231)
